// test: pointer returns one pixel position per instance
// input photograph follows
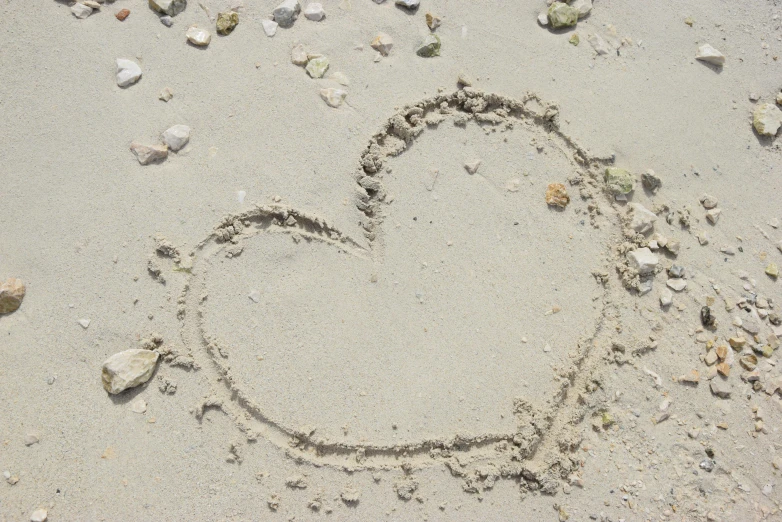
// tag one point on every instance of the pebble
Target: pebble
(287, 12)
(543, 19)
(198, 37)
(39, 515)
(433, 21)
(80, 10)
(269, 27)
(556, 195)
(139, 406)
(720, 388)
(708, 201)
(299, 55)
(254, 296)
(472, 166)
(317, 67)
(619, 181)
(128, 72)
(32, 438)
(408, 4)
(561, 14)
(122, 14)
(168, 7)
(676, 284)
(333, 96)
(314, 12)
(767, 118)
(643, 260)
(430, 47)
(166, 94)
(651, 181)
(12, 291)
(676, 271)
(128, 369)
(666, 297)
(340, 78)
(643, 218)
(85, 323)
(227, 22)
(707, 53)
(382, 44)
(167, 21)
(772, 270)
(713, 215)
(584, 7)
(147, 154)
(599, 44)
(176, 137)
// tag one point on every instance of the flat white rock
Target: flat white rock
(176, 137)
(314, 12)
(39, 515)
(707, 53)
(333, 96)
(643, 260)
(198, 36)
(80, 10)
(269, 27)
(767, 118)
(85, 323)
(599, 44)
(128, 72)
(643, 218)
(128, 369)
(676, 284)
(139, 406)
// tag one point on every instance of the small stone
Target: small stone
(713, 215)
(562, 15)
(708, 201)
(464, 80)
(167, 21)
(643, 218)
(169, 7)
(39, 515)
(128, 72)
(12, 291)
(723, 368)
(543, 19)
(382, 44)
(176, 137)
(707, 53)
(147, 154)
(80, 10)
(128, 369)
(767, 118)
(32, 438)
(198, 37)
(432, 21)
(333, 97)
(139, 406)
(317, 67)
(227, 22)
(584, 7)
(408, 4)
(599, 44)
(166, 94)
(340, 78)
(721, 351)
(574, 40)
(772, 270)
(707, 319)
(720, 388)
(299, 55)
(707, 465)
(642, 260)
(430, 46)
(651, 181)
(711, 358)
(689, 21)
(287, 12)
(748, 361)
(619, 181)
(314, 12)
(556, 195)
(122, 14)
(673, 247)
(85, 323)
(676, 285)
(666, 297)
(472, 166)
(751, 326)
(676, 271)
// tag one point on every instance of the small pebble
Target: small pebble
(147, 154)
(128, 72)
(333, 97)
(168, 7)
(286, 13)
(676, 285)
(767, 118)
(166, 94)
(32, 438)
(80, 10)
(472, 166)
(139, 406)
(432, 21)
(666, 297)
(713, 215)
(227, 22)
(39, 515)
(85, 323)
(317, 67)
(167, 21)
(128, 369)
(12, 291)
(409, 4)
(707, 53)
(430, 47)
(299, 55)
(122, 14)
(314, 12)
(176, 137)
(198, 36)
(382, 44)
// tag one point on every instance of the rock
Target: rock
(299, 55)
(166, 20)
(382, 44)
(166, 94)
(651, 181)
(287, 12)
(708, 201)
(772, 270)
(333, 97)
(314, 12)
(707, 318)
(676, 285)
(584, 7)
(707, 53)
(85, 323)
(198, 37)
(340, 78)
(32, 438)
(673, 247)
(723, 368)
(168, 7)
(710, 358)
(713, 215)
(676, 271)
(767, 119)
(408, 4)
(12, 292)
(643, 218)
(39, 515)
(227, 22)
(472, 166)
(464, 80)
(269, 27)
(619, 181)
(643, 260)
(317, 67)
(749, 361)
(122, 14)
(562, 15)
(543, 19)
(176, 137)
(720, 388)
(433, 21)
(666, 297)
(599, 44)
(430, 47)
(128, 369)
(128, 72)
(149, 154)
(80, 10)
(556, 195)
(575, 40)
(139, 406)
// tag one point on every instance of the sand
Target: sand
(352, 325)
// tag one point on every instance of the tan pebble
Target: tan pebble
(39, 515)
(556, 195)
(12, 292)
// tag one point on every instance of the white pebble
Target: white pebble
(128, 72)
(80, 10)
(128, 369)
(39, 515)
(314, 12)
(176, 137)
(255, 296)
(643, 260)
(333, 97)
(666, 297)
(707, 53)
(139, 406)
(198, 37)
(269, 27)
(85, 323)
(676, 284)
(240, 195)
